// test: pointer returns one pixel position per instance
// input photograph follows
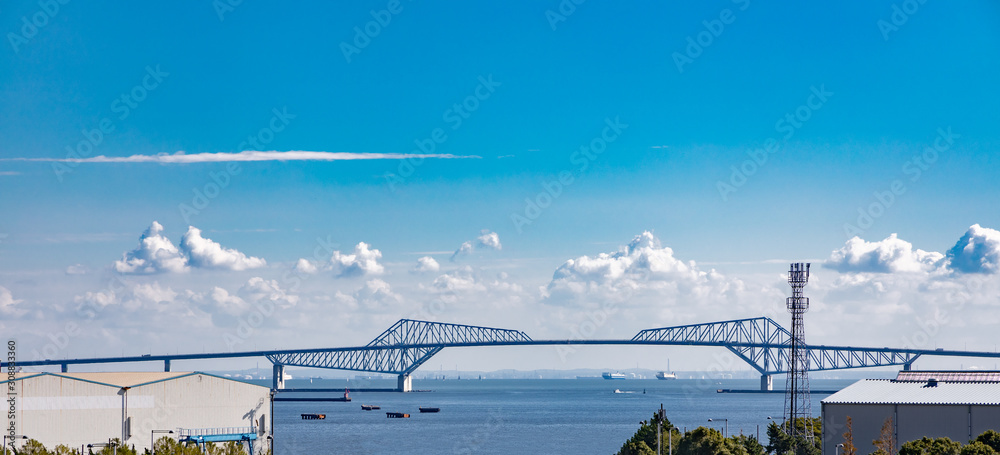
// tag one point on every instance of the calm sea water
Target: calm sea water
(519, 416)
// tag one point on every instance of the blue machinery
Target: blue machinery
(408, 344)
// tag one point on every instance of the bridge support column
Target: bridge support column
(404, 383)
(279, 377)
(766, 382)
(907, 366)
(166, 365)
(65, 368)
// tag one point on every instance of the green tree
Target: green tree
(64, 450)
(750, 444)
(647, 435)
(636, 448)
(928, 446)
(978, 448)
(990, 438)
(708, 441)
(780, 442)
(33, 447)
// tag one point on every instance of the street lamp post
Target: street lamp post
(152, 441)
(112, 444)
(836, 450)
(12, 438)
(726, 433)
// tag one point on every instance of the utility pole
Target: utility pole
(659, 430)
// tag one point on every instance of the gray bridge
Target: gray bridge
(408, 344)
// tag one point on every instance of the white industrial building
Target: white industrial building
(959, 405)
(77, 409)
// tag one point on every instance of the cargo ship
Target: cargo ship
(610, 375)
(665, 375)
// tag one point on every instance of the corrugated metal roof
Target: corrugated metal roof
(122, 379)
(949, 376)
(115, 379)
(884, 391)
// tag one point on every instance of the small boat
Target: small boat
(396, 415)
(369, 407)
(313, 416)
(610, 375)
(430, 409)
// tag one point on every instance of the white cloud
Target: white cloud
(890, 255)
(76, 269)
(467, 279)
(155, 254)
(204, 253)
(426, 264)
(249, 155)
(364, 261)
(488, 240)
(978, 251)
(258, 289)
(7, 301)
(375, 294)
(304, 266)
(643, 273)
(130, 299)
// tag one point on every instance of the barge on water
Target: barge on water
(396, 415)
(313, 416)
(430, 409)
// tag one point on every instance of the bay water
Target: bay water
(529, 416)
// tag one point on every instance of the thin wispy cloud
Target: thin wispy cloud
(249, 155)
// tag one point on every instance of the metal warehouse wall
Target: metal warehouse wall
(58, 410)
(912, 422)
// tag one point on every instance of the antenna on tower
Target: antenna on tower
(797, 402)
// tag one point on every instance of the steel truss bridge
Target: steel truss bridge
(408, 344)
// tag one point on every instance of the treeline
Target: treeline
(987, 443)
(709, 441)
(164, 446)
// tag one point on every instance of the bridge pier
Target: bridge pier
(65, 368)
(766, 383)
(278, 382)
(404, 383)
(166, 365)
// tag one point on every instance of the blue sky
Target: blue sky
(872, 89)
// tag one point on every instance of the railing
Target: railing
(195, 432)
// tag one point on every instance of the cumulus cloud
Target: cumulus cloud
(889, 255)
(468, 279)
(362, 262)
(258, 289)
(249, 155)
(426, 264)
(488, 241)
(155, 254)
(204, 253)
(978, 251)
(136, 297)
(374, 294)
(304, 266)
(643, 267)
(8, 305)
